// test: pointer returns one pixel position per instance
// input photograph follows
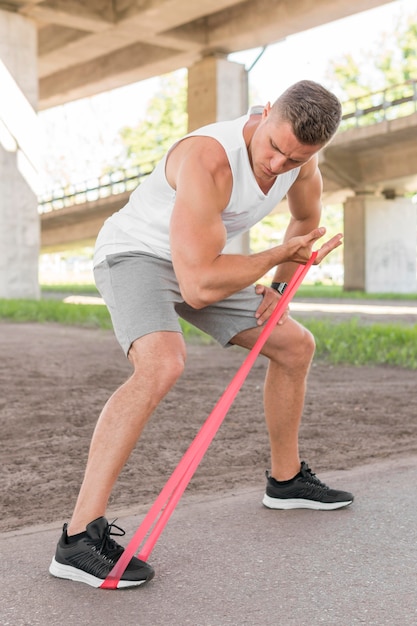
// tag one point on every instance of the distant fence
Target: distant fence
(93, 189)
(386, 104)
(370, 108)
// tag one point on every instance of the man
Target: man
(161, 257)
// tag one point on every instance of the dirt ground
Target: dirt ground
(55, 380)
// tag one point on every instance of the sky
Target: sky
(307, 55)
(83, 135)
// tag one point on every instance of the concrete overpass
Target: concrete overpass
(373, 158)
(369, 155)
(52, 52)
(89, 46)
(367, 160)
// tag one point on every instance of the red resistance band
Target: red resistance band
(169, 496)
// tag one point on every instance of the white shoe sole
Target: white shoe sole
(299, 503)
(72, 573)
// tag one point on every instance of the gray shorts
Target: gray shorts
(142, 294)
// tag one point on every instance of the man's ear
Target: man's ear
(266, 111)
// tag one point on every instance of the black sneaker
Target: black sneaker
(90, 559)
(304, 491)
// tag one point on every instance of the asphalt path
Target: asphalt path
(228, 561)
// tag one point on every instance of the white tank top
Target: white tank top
(143, 223)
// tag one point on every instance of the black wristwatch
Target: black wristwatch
(280, 287)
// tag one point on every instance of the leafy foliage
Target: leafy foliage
(165, 122)
(390, 61)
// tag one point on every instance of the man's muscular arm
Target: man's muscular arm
(304, 201)
(199, 171)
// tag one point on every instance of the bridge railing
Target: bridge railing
(371, 108)
(386, 104)
(110, 184)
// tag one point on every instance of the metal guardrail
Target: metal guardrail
(110, 184)
(370, 108)
(386, 104)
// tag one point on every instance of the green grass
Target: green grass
(92, 315)
(85, 315)
(336, 291)
(345, 342)
(375, 344)
(79, 289)
(318, 290)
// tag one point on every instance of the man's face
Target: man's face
(274, 149)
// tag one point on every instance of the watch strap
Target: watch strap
(280, 287)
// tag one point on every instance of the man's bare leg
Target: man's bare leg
(290, 349)
(158, 360)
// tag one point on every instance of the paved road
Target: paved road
(230, 562)
(351, 307)
(370, 311)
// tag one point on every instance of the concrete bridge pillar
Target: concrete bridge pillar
(380, 244)
(218, 91)
(19, 143)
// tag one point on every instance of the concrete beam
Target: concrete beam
(148, 25)
(19, 221)
(76, 224)
(162, 15)
(74, 40)
(380, 247)
(72, 14)
(261, 22)
(372, 158)
(111, 71)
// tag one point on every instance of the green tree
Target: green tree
(369, 80)
(399, 64)
(165, 121)
(391, 60)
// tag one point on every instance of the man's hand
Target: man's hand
(299, 251)
(300, 248)
(269, 302)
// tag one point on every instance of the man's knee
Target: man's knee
(170, 366)
(309, 344)
(300, 350)
(159, 361)
(293, 348)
